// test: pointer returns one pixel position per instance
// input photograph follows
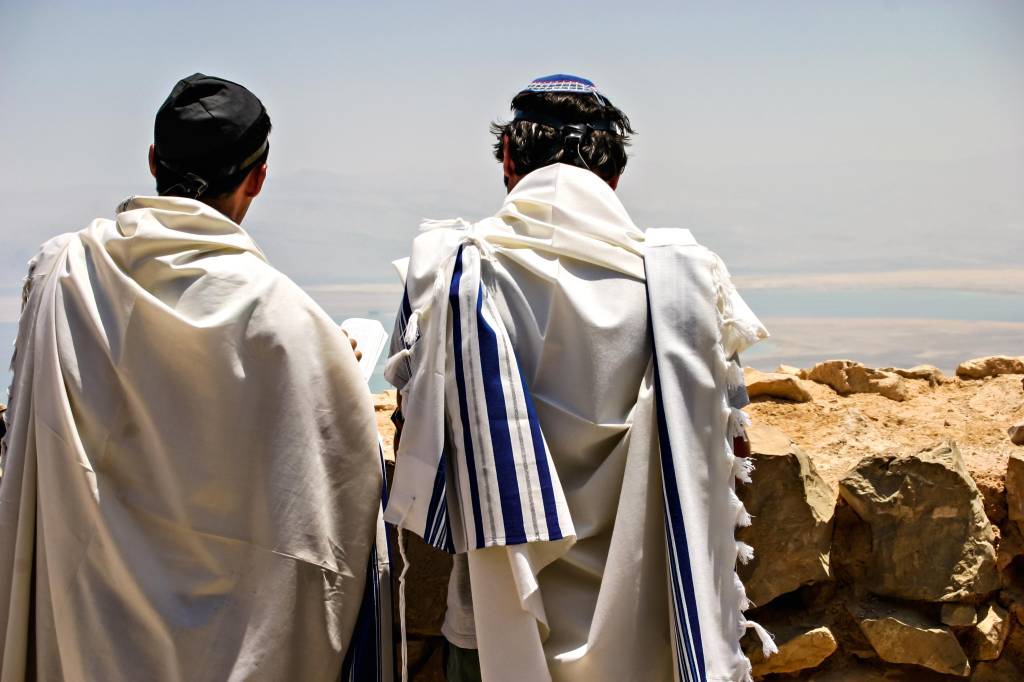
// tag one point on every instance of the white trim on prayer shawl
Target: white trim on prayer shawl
(473, 491)
(192, 463)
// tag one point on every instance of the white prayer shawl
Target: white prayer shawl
(192, 475)
(490, 488)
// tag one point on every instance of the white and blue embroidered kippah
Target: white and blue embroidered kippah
(561, 82)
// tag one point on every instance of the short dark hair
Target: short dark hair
(169, 182)
(535, 145)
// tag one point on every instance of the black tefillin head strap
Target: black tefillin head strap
(572, 133)
(193, 186)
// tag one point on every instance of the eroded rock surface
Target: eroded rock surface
(987, 638)
(799, 649)
(994, 365)
(900, 635)
(776, 385)
(847, 377)
(1015, 486)
(933, 375)
(959, 615)
(792, 508)
(931, 539)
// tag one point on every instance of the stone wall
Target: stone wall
(887, 509)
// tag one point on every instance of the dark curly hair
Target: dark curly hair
(535, 145)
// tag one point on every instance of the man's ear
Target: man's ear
(254, 182)
(152, 159)
(507, 164)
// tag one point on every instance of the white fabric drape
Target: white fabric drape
(191, 477)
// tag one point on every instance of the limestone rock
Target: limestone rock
(426, 586)
(1015, 486)
(1011, 546)
(959, 615)
(799, 649)
(933, 375)
(1002, 670)
(792, 508)
(776, 385)
(1016, 433)
(900, 635)
(1012, 599)
(981, 368)
(987, 638)
(931, 539)
(790, 369)
(847, 376)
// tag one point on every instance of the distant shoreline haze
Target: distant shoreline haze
(897, 318)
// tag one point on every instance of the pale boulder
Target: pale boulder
(776, 385)
(986, 639)
(899, 635)
(1016, 434)
(933, 375)
(847, 377)
(792, 509)
(790, 369)
(930, 537)
(800, 648)
(982, 368)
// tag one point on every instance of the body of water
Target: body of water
(880, 327)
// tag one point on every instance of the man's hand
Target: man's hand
(358, 353)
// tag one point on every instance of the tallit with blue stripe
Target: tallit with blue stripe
(473, 470)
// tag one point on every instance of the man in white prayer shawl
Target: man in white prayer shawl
(570, 390)
(191, 476)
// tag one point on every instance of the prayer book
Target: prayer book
(370, 340)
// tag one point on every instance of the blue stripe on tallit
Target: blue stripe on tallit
(363, 659)
(437, 531)
(547, 491)
(460, 381)
(690, 650)
(501, 439)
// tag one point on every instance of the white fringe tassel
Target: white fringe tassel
(734, 375)
(737, 422)
(742, 468)
(767, 642)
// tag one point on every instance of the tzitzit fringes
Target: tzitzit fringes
(768, 646)
(734, 375)
(736, 423)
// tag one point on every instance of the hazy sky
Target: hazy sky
(790, 136)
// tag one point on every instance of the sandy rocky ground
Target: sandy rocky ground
(837, 430)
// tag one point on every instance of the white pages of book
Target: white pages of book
(370, 340)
